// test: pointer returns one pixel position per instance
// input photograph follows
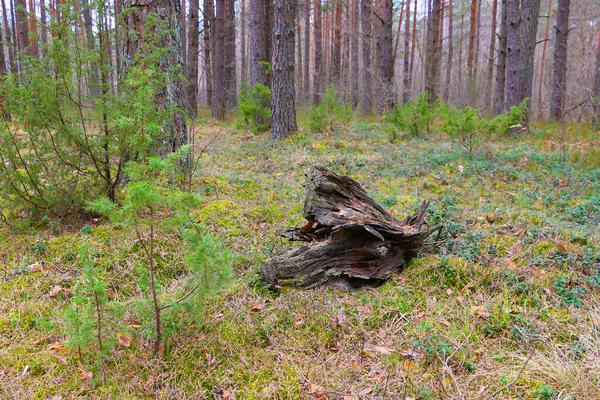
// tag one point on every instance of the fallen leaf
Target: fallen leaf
(407, 365)
(36, 266)
(256, 308)
(56, 290)
(459, 299)
(227, 395)
(461, 169)
(365, 391)
(341, 318)
(382, 334)
(58, 348)
(135, 326)
(445, 323)
(413, 353)
(449, 292)
(124, 338)
(86, 375)
(382, 350)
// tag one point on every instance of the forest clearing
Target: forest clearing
(313, 199)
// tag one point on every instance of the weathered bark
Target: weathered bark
(230, 56)
(354, 57)
(450, 52)
(367, 89)
(387, 96)
(32, 27)
(192, 60)
(596, 89)
(283, 105)
(183, 23)
(9, 43)
(557, 105)
(513, 54)
(543, 59)
(501, 67)
(22, 31)
(398, 33)
(91, 46)
(350, 237)
(319, 81)
(243, 65)
(492, 50)
(472, 55)
(219, 100)
(299, 64)
(208, 10)
(165, 34)
(412, 49)
(406, 61)
(530, 11)
(336, 48)
(432, 71)
(306, 79)
(259, 54)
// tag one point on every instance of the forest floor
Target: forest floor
(506, 306)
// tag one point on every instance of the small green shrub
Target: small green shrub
(413, 117)
(255, 107)
(330, 115)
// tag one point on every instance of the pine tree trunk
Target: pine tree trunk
(367, 91)
(283, 105)
(411, 68)
(9, 43)
(192, 60)
(208, 28)
(243, 42)
(596, 89)
(543, 59)
(530, 12)
(299, 65)
(230, 56)
(432, 69)
(336, 49)
(513, 54)
(472, 55)
(387, 97)
(492, 50)
(22, 31)
(306, 80)
(91, 47)
(183, 22)
(501, 68)
(32, 27)
(43, 28)
(259, 34)
(319, 67)
(165, 32)
(450, 52)
(406, 63)
(354, 56)
(557, 105)
(219, 101)
(117, 4)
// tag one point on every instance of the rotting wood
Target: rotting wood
(350, 239)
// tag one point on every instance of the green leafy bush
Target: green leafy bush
(255, 107)
(330, 115)
(413, 117)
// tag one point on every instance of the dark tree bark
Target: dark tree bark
(530, 11)
(557, 105)
(406, 61)
(412, 49)
(43, 28)
(91, 46)
(450, 52)
(117, 4)
(432, 68)
(306, 79)
(543, 59)
(596, 89)
(243, 65)
(336, 48)
(351, 239)
(9, 43)
(219, 101)
(166, 35)
(492, 50)
(283, 105)
(22, 30)
(354, 57)
(183, 23)
(32, 27)
(192, 60)
(472, 55)
(208, 29)
(513, 53)
(299, 65)
(384, 16)
(319, 81)
(367, 90)
(501, 68)
(230, 56)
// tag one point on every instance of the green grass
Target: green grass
(514, 276)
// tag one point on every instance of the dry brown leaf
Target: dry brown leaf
(365, 391)
(382, 334)
(56, 290)
(256, 308)
(445, 322)
(36, 266)
(407, 365)
(341, 318)
(449, 292)
(124, 338)
(58, 348)
(410, 353)
(227, 395)
(86, 375)
(382, 350)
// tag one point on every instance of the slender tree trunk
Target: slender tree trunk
(411, 68)
(460, 59)
(399, 32)
(306, 80)
(501, 68)
(336, 49)
(33, 45)
(450, 52)
(299, 65)
(346, 49)
(596, 90)
(3, 72)
(354, 56)
(91, 47)
(9, 43)
(230, 56)
(472, 55)
(513, 53)
(366, 55)
(192, 60)
(219, 101)
(492, 50)
(118, 40)
(43, 28)
(432, 72)
(543, 60)
(557, 105)
(183, 22)
(530, 12)
(283, 106)
(243, 40)
(22, 31)
(319, 67)
(406, 61)
(208, 29)
(387, 97)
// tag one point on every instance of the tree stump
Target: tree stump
(350, 239)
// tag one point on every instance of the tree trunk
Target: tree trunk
(354, 56)
(501, 68)
(399, 32)
(387, 96)
(283, 105)
(118, 40)
(219, 101)
(450, 52)
(306, 80)
(406, 61)
(43, 28)
(366, 55)
(243, 41)
(596, 89)
(192, 60)
(230, 56)
(557, 105)
(319, 67)
(91, 47)
(208, 28)
(472, 55)
(32, 27)
(492, 50)
(543, 59)
(183, 23)
(432, 74)
(165, 34)
(9, 43)
(299, 64)
(22, 31)
(336, 48)
(351, 239)
(513, 53)
(530, 12)
(412, 50)
(259, 34)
